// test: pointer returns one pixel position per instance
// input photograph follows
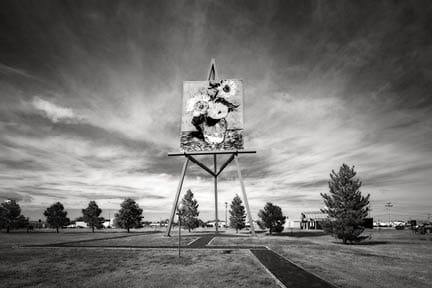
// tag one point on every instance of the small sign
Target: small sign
(212, 116)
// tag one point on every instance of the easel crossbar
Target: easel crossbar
(212, 152)
(225, 164)
(201, 165)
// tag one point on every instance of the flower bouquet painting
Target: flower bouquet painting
(212, 117)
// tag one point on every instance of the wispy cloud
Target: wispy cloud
(54, 112)
(13, 71)
(323, 86)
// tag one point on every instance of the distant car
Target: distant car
(424, 228)
(400, 227)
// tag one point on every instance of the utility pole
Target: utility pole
(389, 205)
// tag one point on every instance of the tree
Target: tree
(189, 212)
(164, 223)
(56, 216)
(130, 215)
(3, 213)
(79, 218)
(237, 214)
(272, 218)
(346, 207)
(91, 215)
(201, 223)
(10, 216)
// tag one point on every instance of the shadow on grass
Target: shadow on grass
(93, 239)
(79, 232)
(301, 234)
(248, 232)
(206, 232)
(364, 243)
(199, 234)
(113, 232)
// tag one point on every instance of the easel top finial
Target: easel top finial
(212, 71)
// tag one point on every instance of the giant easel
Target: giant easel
(190, 156)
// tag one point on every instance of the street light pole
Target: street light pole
(389, 205)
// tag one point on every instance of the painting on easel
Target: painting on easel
(212, 116)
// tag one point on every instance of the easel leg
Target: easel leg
(244, 196)
(174, 207)
(215, 191)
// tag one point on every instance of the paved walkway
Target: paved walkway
(286, 272)
(202, 241)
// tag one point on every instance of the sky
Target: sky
(90, 95)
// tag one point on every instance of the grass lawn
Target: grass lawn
(99, 238)
(21, 238)
(137, 240)
(76, 267)
(390, 259)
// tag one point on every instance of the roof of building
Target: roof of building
(314, 215)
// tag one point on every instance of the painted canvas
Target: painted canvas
(212, 116)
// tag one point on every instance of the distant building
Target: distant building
(37, 224)
(212, 223)
(80, 224)
(312, 220)
(156, 224)
(108, 223)
(292, 223)
(255, 225)
(77, 224)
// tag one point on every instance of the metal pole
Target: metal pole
(179, 236)
(389, 216)
(215, 191)
(174, 207)
(389, 205)
(244, 196)
(226, 215)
